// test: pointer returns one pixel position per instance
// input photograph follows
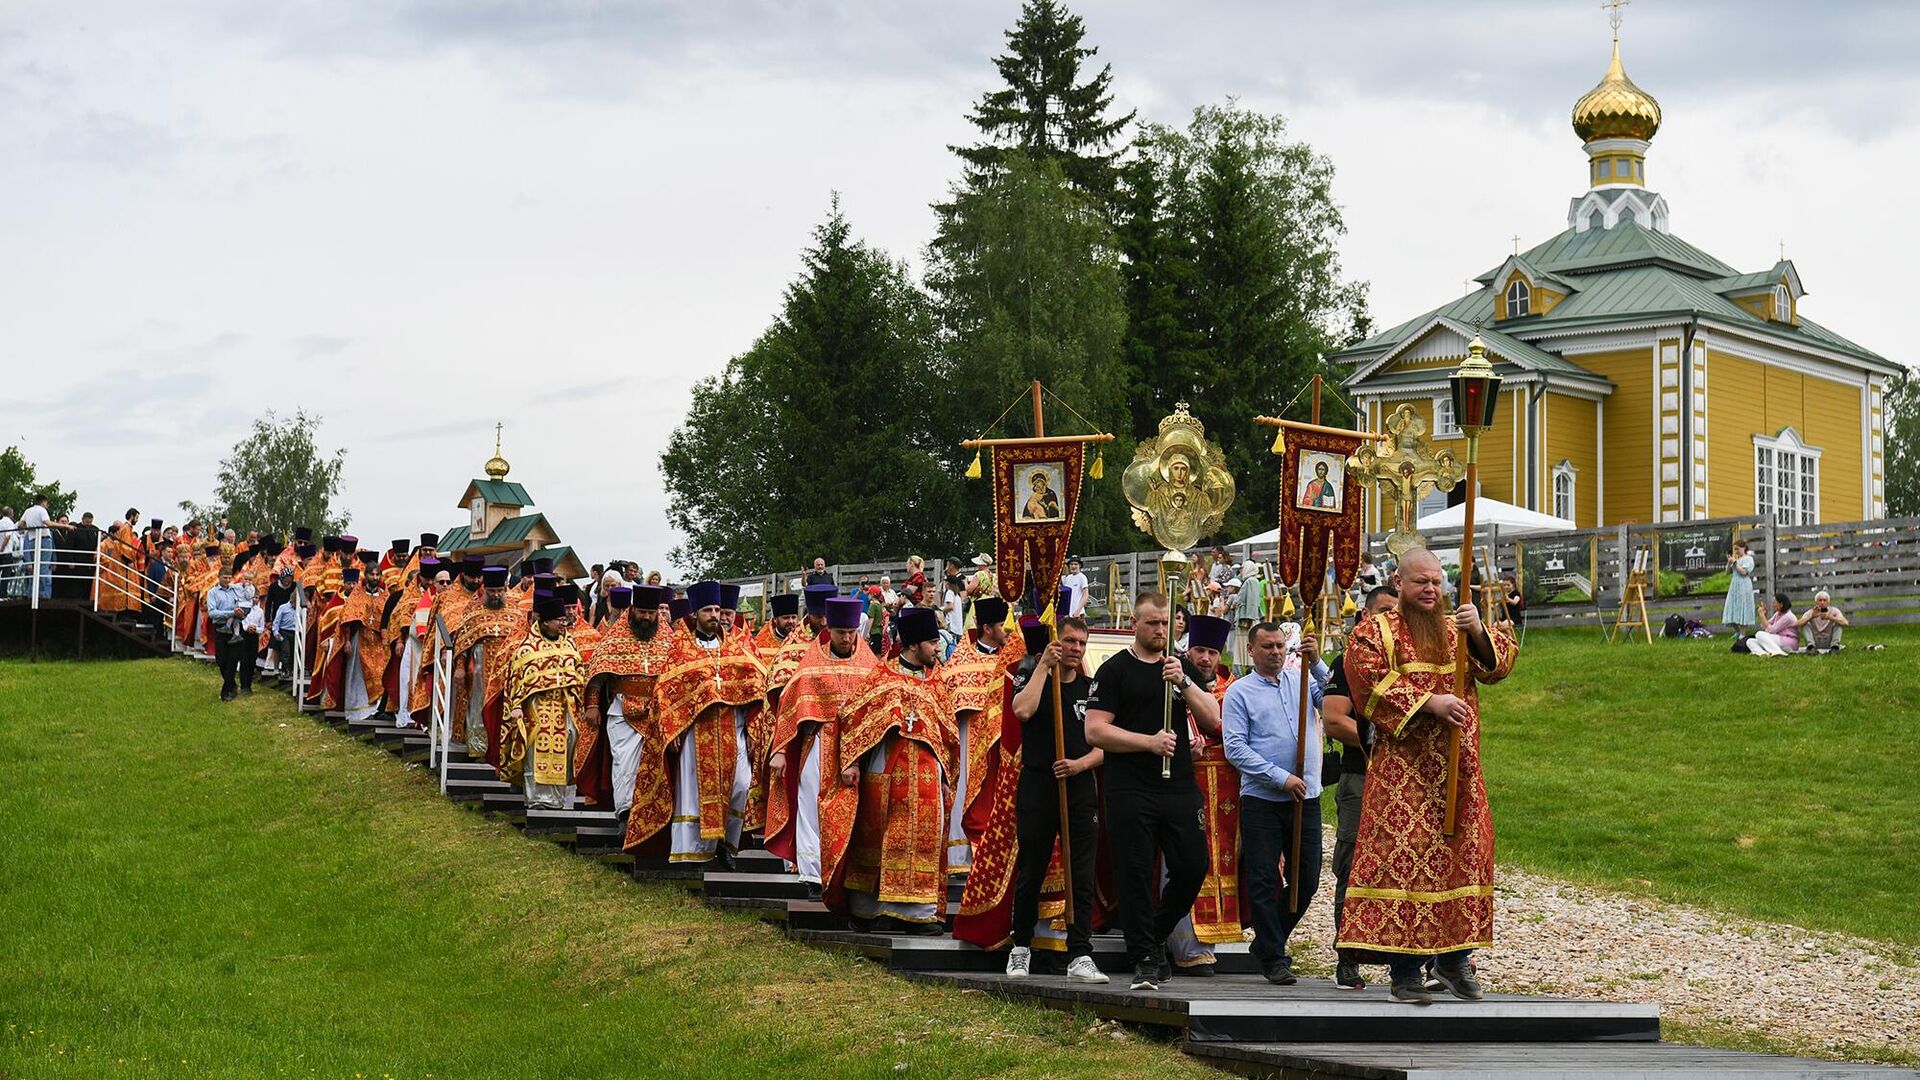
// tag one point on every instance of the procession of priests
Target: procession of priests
(992, 783)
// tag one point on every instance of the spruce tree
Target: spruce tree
(1046, 112)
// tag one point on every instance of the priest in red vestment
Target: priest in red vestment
(803, 787)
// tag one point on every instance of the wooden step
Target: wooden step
(1524, 1061)
(945, 955)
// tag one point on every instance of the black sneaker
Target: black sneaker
(1203, 971)
(1280, 973)
(1146, 975)
(1412, 991)
(1347, 976)
(228, 694)
(723, 859)
(1166, 965)
(1459, 982)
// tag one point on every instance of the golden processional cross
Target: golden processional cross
(1405, 466)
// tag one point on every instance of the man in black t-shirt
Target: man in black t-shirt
(1128, 717)
(1344, 723)
(1037, 801)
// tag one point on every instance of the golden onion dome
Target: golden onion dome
(1616, 109)
(497, 466)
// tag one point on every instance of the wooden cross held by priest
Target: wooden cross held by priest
(1059, 731)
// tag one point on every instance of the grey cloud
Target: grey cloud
(308, 346)
(124, 142)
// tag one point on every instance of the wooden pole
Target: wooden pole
(1300, 732)
(1462, 595)
(1059, 729)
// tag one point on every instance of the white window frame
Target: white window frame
(1444, 426)
(1565, 503)
(1782, 304)
(1786, 478)
(1519, 295)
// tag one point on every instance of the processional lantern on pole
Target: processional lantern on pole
(1476, 398)
(1179, 488)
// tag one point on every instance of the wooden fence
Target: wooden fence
(1871, 568)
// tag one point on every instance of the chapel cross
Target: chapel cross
(1405, 465)
(1612, 7)
(496, 437)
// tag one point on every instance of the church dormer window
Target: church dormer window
(1518, 297)
(1782, 304)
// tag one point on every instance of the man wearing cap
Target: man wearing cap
(545, 680)
(1216, 911)
(324, 639)
(802, 787)
(898, 745)
(708, 698)
(363, 649)
(483, 648)
(619, 735)
(813, 628)
(976, 681)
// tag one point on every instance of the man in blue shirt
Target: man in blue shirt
(227, 605)
(1259, 731)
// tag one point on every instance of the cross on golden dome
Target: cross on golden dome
(496, 465)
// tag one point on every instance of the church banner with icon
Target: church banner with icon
(1320, 506)
(1036, 491)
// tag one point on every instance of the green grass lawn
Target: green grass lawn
(1784, 788)
(190, 889)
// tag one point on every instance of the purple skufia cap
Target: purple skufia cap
(817, 597)
(1035, 634)
(784, 604)
(917, 625)
(1064, 603)
(730, 597)
(566, 591)
(620, 597)
(1207, 632)
(348, 543)
(350, 576)
(542, 566)
(843, 613)
(472, 562)
(494, 577)
(651, 597)
(703, 594)
(679, 607)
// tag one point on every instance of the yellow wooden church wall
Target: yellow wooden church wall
(1629, 434)
(1568, 432)
(1747, 398)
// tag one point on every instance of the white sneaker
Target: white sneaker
(1082, 970)
(1018, 960)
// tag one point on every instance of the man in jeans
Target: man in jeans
(1259, 729)
(227, 605)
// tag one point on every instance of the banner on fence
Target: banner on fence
(1559, 571)
(1693, 561)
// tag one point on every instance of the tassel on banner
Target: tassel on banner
(1279, 440)
(1348, 608)
(1286, 605)
(973, 468)
(1099, 465)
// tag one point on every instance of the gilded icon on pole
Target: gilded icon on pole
(1178, 484)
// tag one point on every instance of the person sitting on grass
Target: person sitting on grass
(1782, 633)
(1823, 623)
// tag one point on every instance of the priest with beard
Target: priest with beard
(784, 609)
(1414, 892)
(976, 678)
(362, 644)
(707, 699)
(620, 736)
(482, 649)
(803, 790)
(450, 607)
(541, 709)
(898, 745)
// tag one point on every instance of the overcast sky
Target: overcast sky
(560, 215)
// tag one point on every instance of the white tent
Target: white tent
(1512, 520)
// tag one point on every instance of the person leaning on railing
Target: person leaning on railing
(9, 552)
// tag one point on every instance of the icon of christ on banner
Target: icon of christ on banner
(1322, 481)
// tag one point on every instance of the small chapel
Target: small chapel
(1644, 380)
(502, 524)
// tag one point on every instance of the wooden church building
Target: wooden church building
(1645, 380)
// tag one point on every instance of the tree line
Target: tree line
(1128, 265)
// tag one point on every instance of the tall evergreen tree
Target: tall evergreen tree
(1029, 288)
(1235, 287)
(1902, 480)
(1047, 112)
(833, 435)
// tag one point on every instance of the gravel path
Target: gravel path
(1843, 994)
